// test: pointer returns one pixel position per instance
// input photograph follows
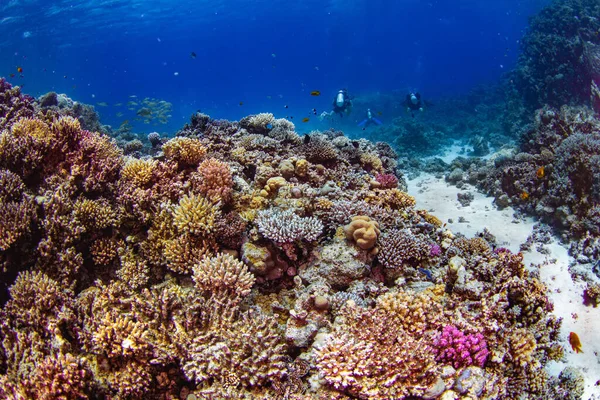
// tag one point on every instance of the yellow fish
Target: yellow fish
(575, 342)
(315, 93)
(305, 119)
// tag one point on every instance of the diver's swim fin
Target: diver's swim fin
(378, 122)
(362, 123)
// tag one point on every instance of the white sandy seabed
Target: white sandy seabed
(440, 198)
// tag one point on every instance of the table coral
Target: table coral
(284, 226)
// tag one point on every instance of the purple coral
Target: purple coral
(435, 250)
(13, 104)
(461, 350)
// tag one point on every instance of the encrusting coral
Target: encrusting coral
(241, 262)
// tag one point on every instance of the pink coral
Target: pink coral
(387, 181)
(216, 182)
(461, 350)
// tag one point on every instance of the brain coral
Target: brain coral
(363, 231)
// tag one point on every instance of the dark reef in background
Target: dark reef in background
(556, 66)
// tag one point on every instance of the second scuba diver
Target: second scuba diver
(413, 103)
(370, 120)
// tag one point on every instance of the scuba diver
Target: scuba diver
(342, 103)
(370, 120)
(413, 103)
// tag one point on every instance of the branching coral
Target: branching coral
(284, 226)
(250, 351)
(36, 300)
(186, 152)
(15, 221)
(399, 246)
(13, 104)
(139, 172)
(381, 353)
(60, 377)
(195, 215)
(461, 350)
(223, 276)
(214, 180)
(95, 214)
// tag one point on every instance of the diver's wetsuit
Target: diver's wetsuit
(418, 106)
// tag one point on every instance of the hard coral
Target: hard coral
(139, 172)
(284, 226)
(13, 104)
(223, 276)
(399, 246)
(363, 231)
(195, 215)
(379, 353)
(186, 152)
(215, 181)
(461, 350)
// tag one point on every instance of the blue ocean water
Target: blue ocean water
(254, 56)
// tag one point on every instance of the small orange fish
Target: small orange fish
(540, 173)
(524, 195)
(19, 69)
(12, 75)
(315, 93)
(575, 343)
(305, 119)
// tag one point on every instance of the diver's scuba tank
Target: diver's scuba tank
(339, 99)
(369, 114)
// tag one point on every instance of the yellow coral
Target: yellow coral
(522, 346)
(272, 186)
(195, 215)
(363, 231)
(95, 214)
(104, 251)
(120, 337)
(370, 161)
(134, 270)
(183, 251)
(185, 151)
(139, 172)
(391, 198)
(301, 168)
(32, 128)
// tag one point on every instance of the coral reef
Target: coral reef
(245, 261)
(556, 66)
